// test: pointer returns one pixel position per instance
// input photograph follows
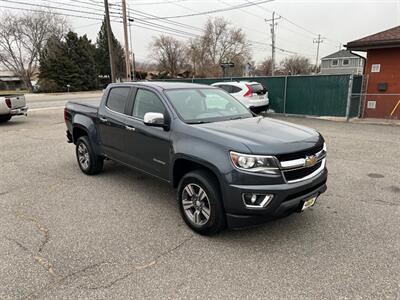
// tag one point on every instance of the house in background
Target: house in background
(342, 62)
(382, 73)
(9, 81)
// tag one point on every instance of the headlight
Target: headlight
(255, 163)
(324, 148)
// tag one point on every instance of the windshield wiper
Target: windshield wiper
(236, 118)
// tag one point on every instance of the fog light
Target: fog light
(257, 200)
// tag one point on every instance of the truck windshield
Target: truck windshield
(206, 105)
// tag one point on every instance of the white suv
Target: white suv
(251, 93)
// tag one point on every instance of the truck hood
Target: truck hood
(264, 135)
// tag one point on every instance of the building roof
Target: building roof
(341, 54)
(385, 39)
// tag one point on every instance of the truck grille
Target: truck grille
(295, 174)
(303, 165)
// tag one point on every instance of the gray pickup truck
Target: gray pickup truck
(12, 105)
(230, 167)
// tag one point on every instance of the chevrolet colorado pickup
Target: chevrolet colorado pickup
(230, 167)
(12, 105)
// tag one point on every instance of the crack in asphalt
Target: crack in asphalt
(381, 202)
(36, 294)
(4, 193)
(42, 261)
(141, 267)
(44, 231)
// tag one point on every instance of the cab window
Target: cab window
(146, 101)
(117, 99)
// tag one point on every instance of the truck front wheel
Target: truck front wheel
(88, 161)
(200, 202)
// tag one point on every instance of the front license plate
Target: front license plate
(308, 203)
(260, 97)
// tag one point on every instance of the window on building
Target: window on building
(375, 68)
(335, 62)
(345, 62)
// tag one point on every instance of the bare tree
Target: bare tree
(169, 53)
(22, 38)
(265, 68)
(296, 65)
(220, 42)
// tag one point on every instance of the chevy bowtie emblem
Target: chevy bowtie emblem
(310, 161)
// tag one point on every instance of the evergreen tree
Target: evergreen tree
(102, 55)
(69, 62)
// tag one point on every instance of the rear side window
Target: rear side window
(147, 101)
(225, 87)
(235, 89)
(117, 99)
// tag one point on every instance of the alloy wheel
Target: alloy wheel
(196, 204)
(83, 156)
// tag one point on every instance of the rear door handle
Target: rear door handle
(130, 128)
(103, 120)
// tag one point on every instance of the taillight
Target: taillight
(249, 92)
(65, 114)
(8, 102)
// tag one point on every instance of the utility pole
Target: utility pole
(125, 23)
(130, 20)
(109, 40)
(273, 24)
(317, 41)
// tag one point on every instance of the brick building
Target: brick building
(382, 71)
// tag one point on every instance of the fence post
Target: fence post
(284, 96)
(349, 92)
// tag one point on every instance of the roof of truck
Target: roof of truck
(168, 85)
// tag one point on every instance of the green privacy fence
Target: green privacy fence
(318, 95)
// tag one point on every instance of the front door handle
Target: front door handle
(103, 120)
(130, 128)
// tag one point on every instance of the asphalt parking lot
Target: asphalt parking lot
(119, 234)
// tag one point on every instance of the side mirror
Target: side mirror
(155, 120)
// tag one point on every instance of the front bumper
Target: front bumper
(19, 111)
(287, 198)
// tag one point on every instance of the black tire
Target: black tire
(4, 119)
(94, 162)
(208, 183)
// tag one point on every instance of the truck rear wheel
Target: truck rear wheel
(4, 119)
(88, 161)
(200, 202)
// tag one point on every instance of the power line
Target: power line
(162, 2)
(44, 11)
(50, 7)
(293, 23)
(216, 10)
(172, 30)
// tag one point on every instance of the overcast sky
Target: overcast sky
(337, 21)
